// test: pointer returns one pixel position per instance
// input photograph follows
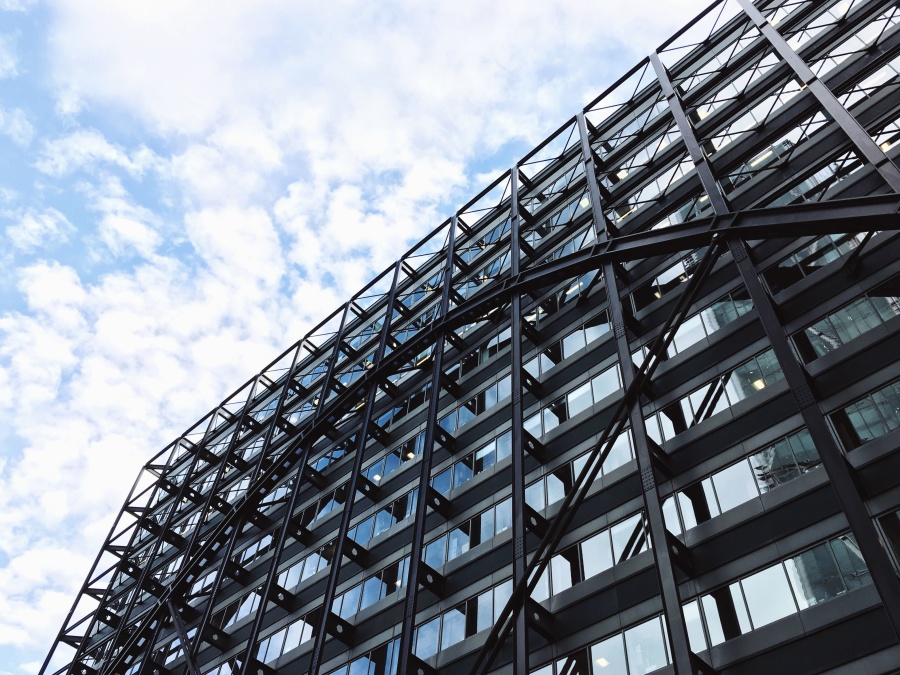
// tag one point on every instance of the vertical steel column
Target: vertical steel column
(334, 572)
(682, 658)
(701, 161)
(860, 138)
(520, 633)
(840, 473)
(418, 538)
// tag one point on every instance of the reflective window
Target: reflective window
(474, 463)
(745, 380)
(581, 398)
(811, 577)
(563, 349)
(810, 258)
(783, 461)
(289, 637)
(381, 584)
(469, 534)
(476, 405)
(869, 418)
(462, 621)
(380, 661)
(849, 322)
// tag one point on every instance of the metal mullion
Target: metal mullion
(839, 471)
(682, 657)
(418, 536)
(334, 572)
(701, 161)
(520, 650)
(865, 145)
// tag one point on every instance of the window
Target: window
(595, 554)
(289, 637)
(748, 378)
(563, 349)
(379, 585)
(849, 322)
(469, 534)
(481, 354)
(465, 620)
(869, 418)
(556, 484)
(481, 402)
(640, 649)
(380, 661)
(474, 463)
(812, 577)
(385, 518)
(666, 281)
(808, 259)
(779, 463)
(579, 399)
(304, 568)
(393, 460)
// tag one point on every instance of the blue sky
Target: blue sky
(187, 187)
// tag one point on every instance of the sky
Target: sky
(187, 187)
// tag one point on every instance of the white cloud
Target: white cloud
(14, 123)
(8, 58)
(39, 229)
(85, 149)
(125, 228)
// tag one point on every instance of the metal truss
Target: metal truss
(754, 130)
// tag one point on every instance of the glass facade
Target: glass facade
(370, 501)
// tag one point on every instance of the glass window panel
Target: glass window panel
(713, 623)
(427, 638)
(579, 399)
(887, 306)
(804, 451)
(888, 402)
(350, 603)
(295, 635)
(562, 573)
(459, 542)
(465, 415)
(710, 495)
(486, 525)
(619, 454)
(454, 628)
(555, 414)
(735, 485)
(436, 551)
(485, 457)
(814, 576)
(463, 471)
(596, 327)
(504, 388)
(558, 483)
(533, 425)
(646, 648)
(740, 607)
(651, 424)
(542, 589)
(596, 553)
(686, 506)
(605, 383)
(689, 332)
(853, 568)
(608, 657)
(485, 617)
(769, 596)
(442, 481)
(504, 446)
(373, 591)
(774, 466)
(694, 625)
(744, 381)
(572, 343)
(823, 337)
(502, 593)
(534, 495)
(503, 515)
(670, 516)
(628, 538)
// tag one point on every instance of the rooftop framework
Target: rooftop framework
(610, 343)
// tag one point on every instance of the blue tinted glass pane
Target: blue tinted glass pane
(768, 595)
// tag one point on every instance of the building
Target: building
(632, 409)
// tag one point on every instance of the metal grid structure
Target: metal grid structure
(631, 409)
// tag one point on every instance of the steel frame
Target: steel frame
(474, 270)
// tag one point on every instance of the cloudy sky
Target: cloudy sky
(186, 186)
